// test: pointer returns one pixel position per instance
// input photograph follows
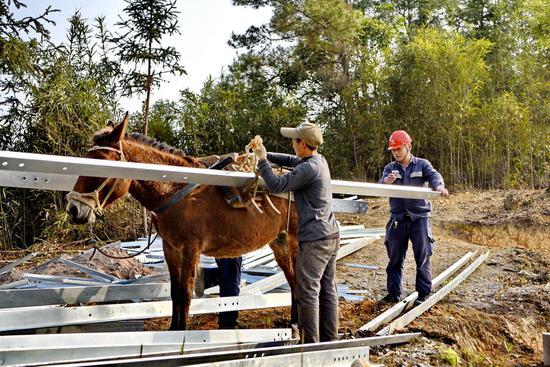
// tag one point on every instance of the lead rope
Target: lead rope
(149, 242)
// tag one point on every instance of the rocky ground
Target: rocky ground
(496, 317)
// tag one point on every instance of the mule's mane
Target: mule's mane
(148, 141)
(154, 143)
(163, 147)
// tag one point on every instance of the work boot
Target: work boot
(421, 298)
(389, 299)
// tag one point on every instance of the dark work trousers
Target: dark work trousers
(398, 234)
(316, 294)
(230, 280)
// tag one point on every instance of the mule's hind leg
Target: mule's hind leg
(285, 248)
(181, 264)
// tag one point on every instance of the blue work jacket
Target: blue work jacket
(419, 172)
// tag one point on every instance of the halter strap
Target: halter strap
(92, 198)
(111, 149)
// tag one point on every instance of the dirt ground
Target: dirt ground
(495, 318)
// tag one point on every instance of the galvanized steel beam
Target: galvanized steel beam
(18, 262)
(95, 274)
(37, 168)
(318, 354)
(63, 348)
(45, 316)
(88, 294)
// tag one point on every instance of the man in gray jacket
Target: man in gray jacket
(318, 233)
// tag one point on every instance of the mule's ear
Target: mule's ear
(118, 132)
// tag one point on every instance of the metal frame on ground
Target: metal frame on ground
(424, 306)
(396, 309)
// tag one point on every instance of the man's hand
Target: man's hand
(390, 178)
(260, 151)
(257, 146)
(442, 190)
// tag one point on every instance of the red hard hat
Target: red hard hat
(398, 138)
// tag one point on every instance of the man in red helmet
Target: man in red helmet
(409, 218)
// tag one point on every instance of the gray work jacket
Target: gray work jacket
(310, 182)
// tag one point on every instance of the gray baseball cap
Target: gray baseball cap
(308, 132)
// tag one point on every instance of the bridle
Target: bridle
(92, 198)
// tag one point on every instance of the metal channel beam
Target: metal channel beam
(57, 279)
(424, 306)
(335, 358)
(349, 206)
(97, 275)
(89, 294)
(258, 354)
(37, 180)
(374, 189)
(116, 339)
(18, 262)
(75, 166)
(332, 357)
(65, 348)
(42, 166)
(45, 316)
(17, 283)
(41, 357)
(394, 311)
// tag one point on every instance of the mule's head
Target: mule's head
(92, 194)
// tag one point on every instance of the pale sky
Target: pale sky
(205, 27)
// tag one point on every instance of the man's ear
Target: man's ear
(118, 132)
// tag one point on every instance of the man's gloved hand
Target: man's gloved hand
(258, 147)
(442, 190)
(260, 151)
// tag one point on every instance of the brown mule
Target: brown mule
(200, 223)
